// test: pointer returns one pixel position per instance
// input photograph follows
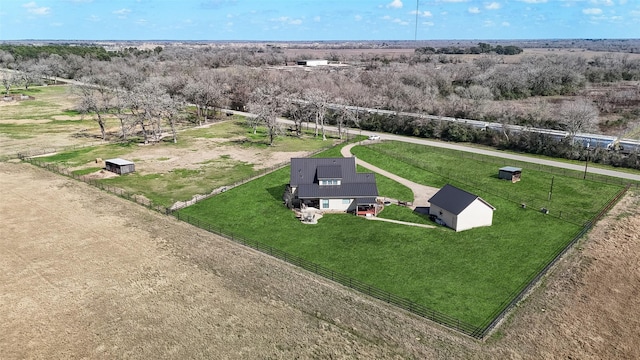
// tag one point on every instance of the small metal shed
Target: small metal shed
(510, 173)
(119, 166)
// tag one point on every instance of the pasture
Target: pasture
(204, 159)
(470, 275)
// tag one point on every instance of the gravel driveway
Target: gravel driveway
(421, 193)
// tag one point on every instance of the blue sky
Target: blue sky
(289, 20)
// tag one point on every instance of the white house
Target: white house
(332, 184)
(460, 210)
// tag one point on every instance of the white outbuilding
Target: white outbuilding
(460, 210)
(314, 62)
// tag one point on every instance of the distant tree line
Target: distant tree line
(27, 52)
(549, 91)
(482, 48)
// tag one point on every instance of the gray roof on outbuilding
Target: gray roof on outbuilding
(511, 169)
(454, 200)
(118, 161)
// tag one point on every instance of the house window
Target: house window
(325, 203)
(346, 201)
(330, 182)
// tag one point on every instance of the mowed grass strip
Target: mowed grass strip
(470, 275)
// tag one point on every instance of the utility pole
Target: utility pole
(585, 166)
(415, 38)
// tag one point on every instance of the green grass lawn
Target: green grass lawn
(181, 184)
(469, 275)
(572, 198)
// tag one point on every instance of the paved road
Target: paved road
(593, 170)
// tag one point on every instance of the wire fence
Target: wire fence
(519, 295)
(576, 217)
(474, 331)
(454, 323)
(340, 278)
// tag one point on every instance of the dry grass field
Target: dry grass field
(84, 274)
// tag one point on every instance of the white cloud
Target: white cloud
(592, 11)
(316, 19)
(33, 8)
(358, 18)
(122, 12)
(454, 1)
(422, 13)
(493, 6)
(428, 23)
(474, 10)
(141, 22)
(94, 18)
(287, 20)
(396, 4)
(602, 2)
(400, 21)
(534, 1)
(505, 24)
(488, 23)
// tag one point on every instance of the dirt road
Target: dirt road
(84, 274)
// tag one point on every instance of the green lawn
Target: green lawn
(572, 198)
(469, 275)
(181, 184)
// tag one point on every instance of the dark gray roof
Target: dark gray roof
(454, 200)
(118, 161)
(329, 172)
(306, 171)
(303, 170)
(366, 201)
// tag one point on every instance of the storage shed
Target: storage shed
(510, 173)
(119, 166)
(460, 210)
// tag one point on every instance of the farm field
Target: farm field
(47, 121)
(469, 275)
(73, 287)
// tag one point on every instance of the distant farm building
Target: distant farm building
(119, 166)
(317, 62)
(460, 210)
(510, 173)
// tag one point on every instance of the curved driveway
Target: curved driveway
(421, 193)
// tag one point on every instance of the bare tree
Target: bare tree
(8, 79)
(266, 103)
(207, 91)
(318, 101)
(95, 98)
(579, 115)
